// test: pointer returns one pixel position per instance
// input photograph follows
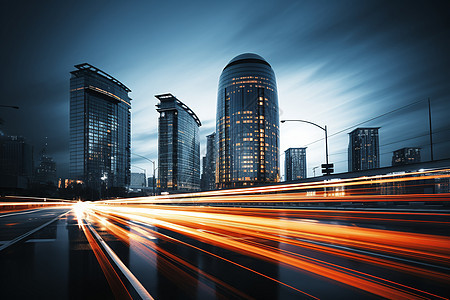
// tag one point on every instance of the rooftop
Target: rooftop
(170, 97)
(86, 66)
(247, 58)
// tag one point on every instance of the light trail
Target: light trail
(336, 190)
(143, 239)
(116, 284)
(308, 229)
(222, 229)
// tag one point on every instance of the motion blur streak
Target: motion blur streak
(396, 187)
(114, 281)
(222, 230)
(146, 244)
(383, 235)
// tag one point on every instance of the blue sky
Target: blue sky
(336, 63)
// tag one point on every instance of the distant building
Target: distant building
(99, 130)
(363, 149)
(16, 163)
(151, 182)
(202, 176)
(209, 164)
(406, 156)
(138, 181)
(247, 124)
(45, 172)
(295, 163)
(178, 146)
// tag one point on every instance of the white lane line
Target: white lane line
(131, 278)
(31, 232)
(20, 213)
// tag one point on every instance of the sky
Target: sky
(337, 63)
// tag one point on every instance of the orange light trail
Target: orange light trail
(329, 230)
(221, 229)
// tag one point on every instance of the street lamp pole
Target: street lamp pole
(145, 173)
(323, 128)
(154, 169)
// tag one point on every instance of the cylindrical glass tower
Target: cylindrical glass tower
(247, 123)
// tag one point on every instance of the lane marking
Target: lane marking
(115, 282)
(20, 213)
(131, 278)
(19, 238)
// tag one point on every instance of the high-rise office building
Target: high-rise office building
(178, 146)
(16, 163)
(99, 130)
(363, 149)
(209, 164)
(404, 156)
(247, 123)
(295, 163)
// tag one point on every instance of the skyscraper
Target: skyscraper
(99, 130)
(209, 164)
(45, 173)
(363, 149)
(295, 163)
(406, 156)
(178, 146)
(247, 123)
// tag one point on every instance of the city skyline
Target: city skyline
(378, 63)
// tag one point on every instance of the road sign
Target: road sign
(327, 169)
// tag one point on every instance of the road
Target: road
(110, 250)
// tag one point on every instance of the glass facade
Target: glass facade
(99, 129)
(363, 149)
(247, 123)
(178, 146)
(295, 163)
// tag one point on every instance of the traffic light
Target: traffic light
(327, 169)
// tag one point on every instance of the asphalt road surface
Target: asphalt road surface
(95, 251)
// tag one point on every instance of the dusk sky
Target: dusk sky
(337, 63)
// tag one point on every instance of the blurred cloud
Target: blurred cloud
(337, 63)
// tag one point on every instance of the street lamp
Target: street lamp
(328, 167)
(154, 169)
